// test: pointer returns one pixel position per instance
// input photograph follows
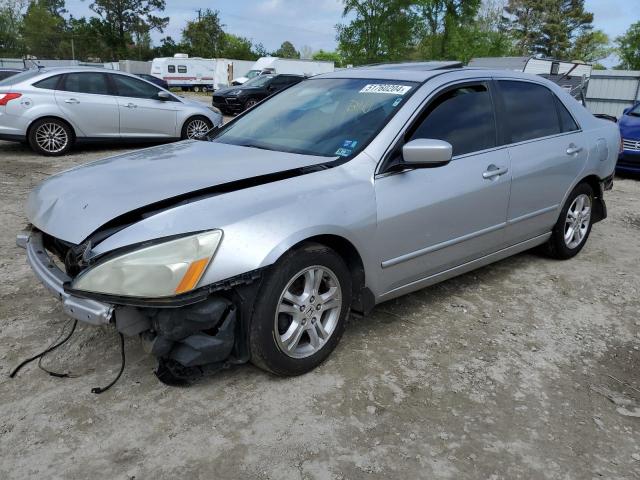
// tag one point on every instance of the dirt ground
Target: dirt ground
(526, 369)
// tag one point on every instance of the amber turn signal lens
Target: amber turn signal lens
(192, 275)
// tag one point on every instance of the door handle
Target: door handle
(131, 105)
(573, 149)
(72, 100)
(494, 171)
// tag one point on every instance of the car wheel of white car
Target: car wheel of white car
(574, 224)
(196, 127)
(300, 312)
(50, 137)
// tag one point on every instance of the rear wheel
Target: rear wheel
(300, 312)
(50, 137)
(196, 127)
(574, 224)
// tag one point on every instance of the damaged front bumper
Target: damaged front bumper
(187, 340)
(53, 278)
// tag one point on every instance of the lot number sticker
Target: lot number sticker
(385, 88)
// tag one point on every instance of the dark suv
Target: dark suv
(238, 99)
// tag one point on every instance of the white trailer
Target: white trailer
(196, 74)
(285, 65)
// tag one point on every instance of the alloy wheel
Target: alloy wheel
(308, 312)
(51, 137)
(197, 128)
(577, 222)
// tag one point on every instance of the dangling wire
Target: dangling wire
(51, 348)
(99, 390)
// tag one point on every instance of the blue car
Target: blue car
(629, 158)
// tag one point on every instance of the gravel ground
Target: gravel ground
(523, 369)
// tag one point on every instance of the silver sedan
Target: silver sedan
(53, 108)
(341, 192)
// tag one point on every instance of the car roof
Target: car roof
(61, 70)
(423, 71)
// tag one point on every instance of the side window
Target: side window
(131, 87)
(171, 68)
(85, 82)
(50, 83)
(530, 110)
(182, 69)
(567, 123)
(463, 116)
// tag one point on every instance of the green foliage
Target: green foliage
(204, 36)
(591, 47)
(10, 28)
(238, 48)
(287, 50)
(382, 31)
(41, 24)
(629, 48)
(334, 57)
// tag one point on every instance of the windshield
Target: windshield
(20, 77)
(258, 81)
(253, 73)
(325, 117)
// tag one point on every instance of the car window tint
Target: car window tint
(530, 110)
(131, 87)
(86, 82)
(171, 68)
(6, 74)
(182, 69)
(464, 117)
(50, 83)
(567, 122)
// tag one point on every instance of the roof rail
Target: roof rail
(419, 66)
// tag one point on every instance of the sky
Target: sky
(312, 22)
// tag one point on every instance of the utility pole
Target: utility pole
(199, 14)
(73, 50)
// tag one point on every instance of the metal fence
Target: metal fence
(611, 91)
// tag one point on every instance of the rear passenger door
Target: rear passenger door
(142, 113)
(547, 151)
(86, 101)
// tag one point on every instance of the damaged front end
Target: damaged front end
(192, 334)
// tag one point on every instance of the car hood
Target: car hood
(73, 204)
(630, 127)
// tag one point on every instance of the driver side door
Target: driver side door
(434, 219)
(142, 113)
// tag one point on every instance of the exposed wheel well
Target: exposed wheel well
(73, 131)
(599, 209)
(363, 300)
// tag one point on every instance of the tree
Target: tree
(11, 27)
(287, 50)
(236, 47)
(122, 18)
(204, 37)
(167, 48)
(629, 48)
(549, 27)
(591, 47)
(43, 28)
(324, 56)
(381, 31)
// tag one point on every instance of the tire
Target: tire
(284, 326)
(196, 89)
(250, 103)
(195, 127)
(50, 137)
(564, 244)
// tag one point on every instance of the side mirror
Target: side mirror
(626, 110)
(425, 153)
(162, 95)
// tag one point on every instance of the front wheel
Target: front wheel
(196, 127)
(574, 224)
(250, 103)
(301, 310)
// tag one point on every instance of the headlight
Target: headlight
(160, 270)
(235, 92)
(215, 110)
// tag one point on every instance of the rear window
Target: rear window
(567, 122)
(86, 82)
(530, 109)
(50, 83)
